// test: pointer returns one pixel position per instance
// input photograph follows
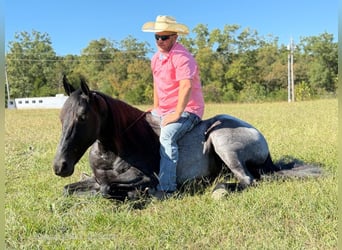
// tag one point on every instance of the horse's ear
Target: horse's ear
(84, 87)
(68, 88)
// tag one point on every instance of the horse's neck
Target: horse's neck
(120, 119)
(125, 115)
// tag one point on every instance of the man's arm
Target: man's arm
(155, 97)
(184, 92)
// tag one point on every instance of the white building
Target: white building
(53, 102)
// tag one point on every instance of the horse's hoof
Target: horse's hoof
(219, 193)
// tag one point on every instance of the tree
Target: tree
(272, 66)
(94, 59)
(322, 59)
(226, 42)
(30, 65)
(133, 48)
(201, 40)
(235, 65)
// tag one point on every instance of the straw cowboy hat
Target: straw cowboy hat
(165, 23)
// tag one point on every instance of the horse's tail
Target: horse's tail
(289, 167)
(283, 169)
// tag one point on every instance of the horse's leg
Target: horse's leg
(87, 185)
(231, 153)
(239, 169)
(130, 184)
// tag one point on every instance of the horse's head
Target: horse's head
(81, 118)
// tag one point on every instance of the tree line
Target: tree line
(236, 65)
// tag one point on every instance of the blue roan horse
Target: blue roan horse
(125, 147)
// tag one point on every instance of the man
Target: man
(178, 97)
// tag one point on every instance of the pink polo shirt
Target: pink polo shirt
(168, 69)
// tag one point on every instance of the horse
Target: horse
(124, 140)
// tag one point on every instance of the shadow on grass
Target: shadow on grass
(290, 167)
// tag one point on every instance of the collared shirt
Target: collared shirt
(168, 69)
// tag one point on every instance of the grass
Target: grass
(290, 214)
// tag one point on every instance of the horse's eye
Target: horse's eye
(82, 118)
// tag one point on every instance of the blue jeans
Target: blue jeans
(169, 136)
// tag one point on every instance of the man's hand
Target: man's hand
(170, 118)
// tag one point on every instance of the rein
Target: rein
(134, 122)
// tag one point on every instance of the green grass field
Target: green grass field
(290, 214)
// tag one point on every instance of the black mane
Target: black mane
(133, 137)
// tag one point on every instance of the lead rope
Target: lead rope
(136, 120)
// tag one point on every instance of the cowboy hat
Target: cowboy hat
(165, 23)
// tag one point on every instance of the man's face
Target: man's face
(165, 40)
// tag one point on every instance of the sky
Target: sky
(73, 24)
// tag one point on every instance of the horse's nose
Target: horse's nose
(62, 168)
